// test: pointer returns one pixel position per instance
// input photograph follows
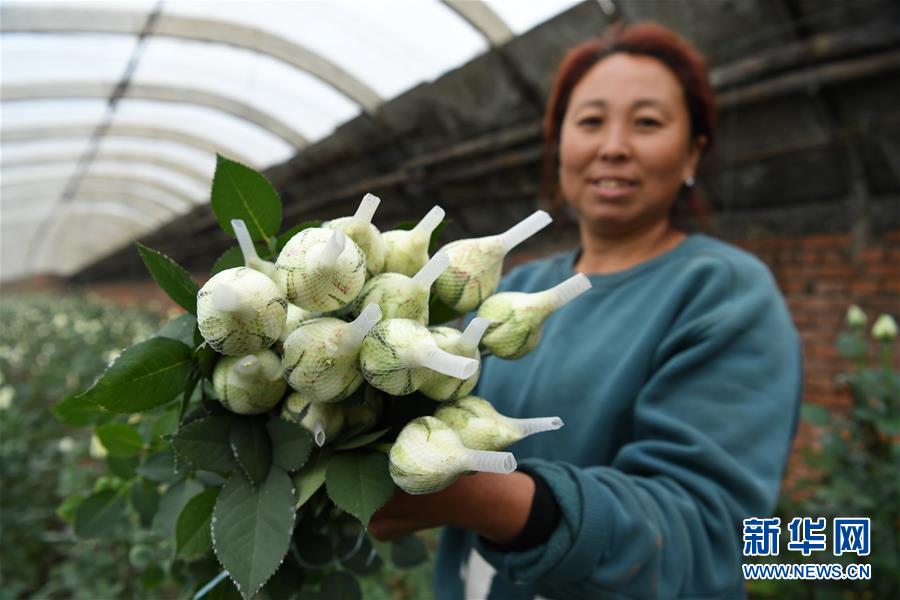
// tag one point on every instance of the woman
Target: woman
(677, 375)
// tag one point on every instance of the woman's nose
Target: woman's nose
(614, 144)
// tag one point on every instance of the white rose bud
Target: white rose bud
(885, 328)
(856, 317)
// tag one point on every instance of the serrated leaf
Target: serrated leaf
(362, 440)
(239, 192)
(285, 237)
(338, 584)
(408, 551)
(120, 439)
(251, 448)
(285, 582)
(205, 444)
(180, 328)
(145, 499)
(172, 503)
(252, 528)
(206, 360)
(310, 478)
(158, 467)
(192, 530)
(98, 514)
(291, 444)
(77, 411)
(171, 277)
(166, 424)
(146, 375)
(359, 483)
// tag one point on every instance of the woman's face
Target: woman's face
(625, 145)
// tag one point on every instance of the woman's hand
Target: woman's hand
(494, 506)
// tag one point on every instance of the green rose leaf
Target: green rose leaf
(98, 514)
(285, 237)
(230, 259)
(362, 440)
(172, 503)
(119, 439)
(239, 192)
(291, 444)
(359, 483)
(285, 582)
(78, 411)
(180, 328)
(339, 584)
(158, 467)
(123, 467)
(205, 444)
(171, 277)
(252, 450)
(252, 528)
(192, 530)
(310, 478)
(144, 376)
(145, 499)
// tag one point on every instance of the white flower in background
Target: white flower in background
(885, 328)
(66, 445)
(856, 317)
(7, 393)
(97, 449)
(60, 320)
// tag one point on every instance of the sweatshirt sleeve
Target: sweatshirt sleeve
(712, 431)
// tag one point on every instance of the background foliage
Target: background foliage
(855, 473)
(50, 348)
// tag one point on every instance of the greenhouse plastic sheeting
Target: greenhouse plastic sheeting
(257, 81)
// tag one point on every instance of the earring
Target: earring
(689, 182)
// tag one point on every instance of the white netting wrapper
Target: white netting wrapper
(240, 311)
(367, 237)
(397, 295)
(321, 361)
(295, 316)
(474, 272)
(481, 427)
(427, 456)
(517, 318)
(315, 281)
(388, 358)
(324, 421)
(443, 387)
(407, 251)
(251, 384)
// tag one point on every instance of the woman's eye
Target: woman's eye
(590, 121)
(648, 122)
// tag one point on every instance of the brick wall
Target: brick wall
(820, 276)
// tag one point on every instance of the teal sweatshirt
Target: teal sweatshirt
(679, 383)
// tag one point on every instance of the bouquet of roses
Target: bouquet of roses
(269, 422)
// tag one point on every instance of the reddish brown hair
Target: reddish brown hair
(641, 39)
